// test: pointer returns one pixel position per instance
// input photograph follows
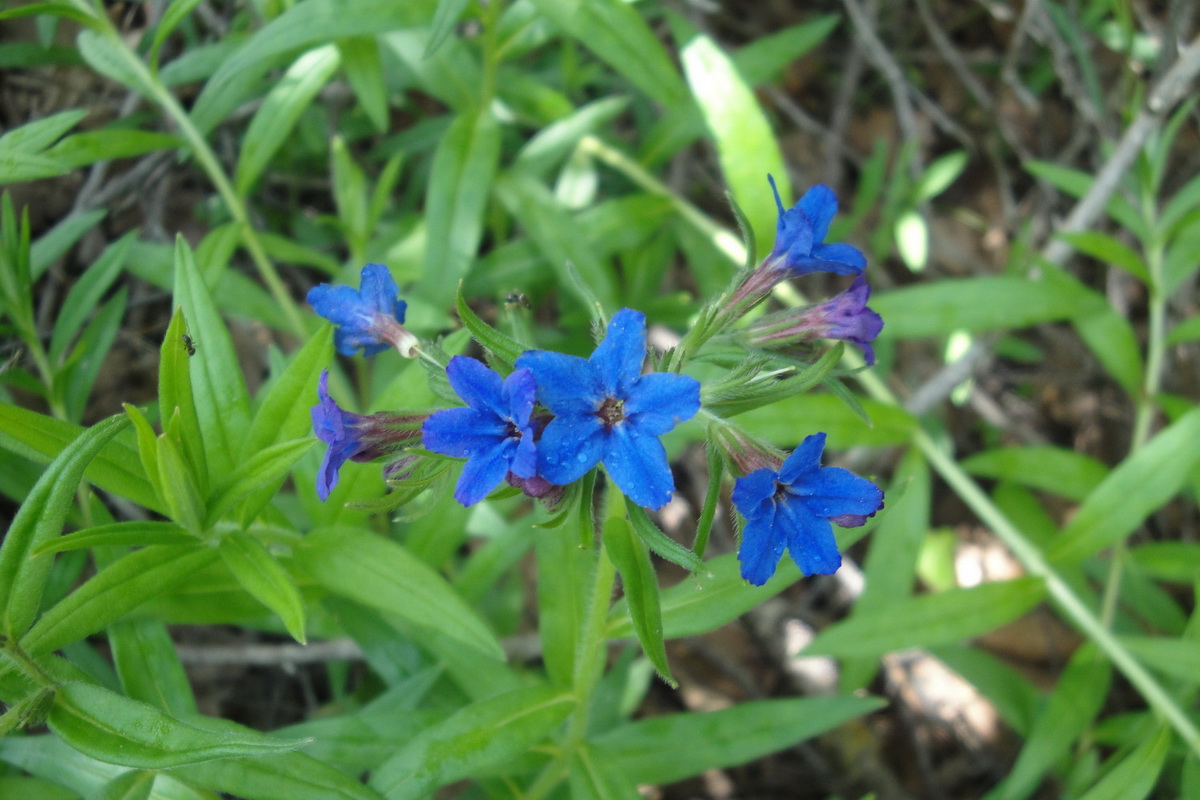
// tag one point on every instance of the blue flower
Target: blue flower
(493, 432)
(606, 410)
(794, 507)
(369, 318)
(844, 316)
(356, 437)
(800, 236)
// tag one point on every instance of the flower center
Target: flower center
(611, 411)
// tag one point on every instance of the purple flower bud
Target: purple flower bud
(845, 317)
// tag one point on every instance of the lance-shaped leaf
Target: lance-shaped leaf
(40, 519)
(115, 729)
(175, 392)
(119, 534)
(641, 591)
(261, 575)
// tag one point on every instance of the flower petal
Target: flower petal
(819, 204)
(804, 459)
(845, 254)
(569, 447)
(519, 392)
(565, 384)
(659, 401)
(809, 539)
(379, 291)
(524, 460)
(637, 463)
(618, 359)
(761, 548)
(459, 432)
(480, 387)
(483, 471)
(751, 491)
(834, 492)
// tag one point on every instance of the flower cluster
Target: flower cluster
(543, 420)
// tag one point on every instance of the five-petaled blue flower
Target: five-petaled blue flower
(493, 432)
(800, 236)
(338, 428)
(369, 318)
(794, 507)
(606, 410)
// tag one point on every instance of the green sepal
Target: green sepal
(761, 380)
(632, 561)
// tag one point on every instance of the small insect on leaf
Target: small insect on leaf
(189, 344)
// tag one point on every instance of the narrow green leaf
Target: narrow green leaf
(147, 449)
(90, 351)
(286, 776)
(669, 748)
(565, 576)
(22, 167)
(746, 146)
(84, 149)
(707, 600)
(119, 534)
(175, 397)
(53, 244)
(641, 591)
(282, 107)
(1168, 561)
(445, 17)
(179, 484)
(975, 304)
(1134, 489)
(267, 467)
(114, 592)
(938, 176)
(653, 537)
(109, 56)
(593, 776)
(617, 33)
(1179, 658)
(1052, 469)
(381, 574)
(501, 345)
(1186, 331)
(1076, 183)
(36, 136)
(1108, 250)
(41, 519)
(765, 57)
(261, 575)
(148, 666)
(551, 145)
(1077, 699)
(132, 785)
(220, 393)
(176, 13)
(459, 184)
(86, 294)
(364, 70)
(35, 787)
(1135, 777)
(350, 193)
(930, 620)
(482, 735)
(112, 728)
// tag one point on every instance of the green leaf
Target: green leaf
(175, 13)
(119, 534)
(501, 345)
(281, 108)
(1186, 331)
(617, 33)
(593, 776)
(765, 57)
(267, 467)
(1136, 775)
(302, 26)
(974, 304)
(641, 591)
(364, 70)
(1179, 658)
(175, 398)
(708, 600)
(115, 729)
(1077, 183)
(147, 443)
(1168, 561)
(109, 56)
(746, 146)
(1052, 469)
(381, 574)
(482, 735)
(148, 666)
(939, 175)
(551, 145)
(179, 483)
(558, 236)
(36, 136)
(1081, 691)
(287, 776)
(669, 748)
(350, 194)
(21, 167)
(109, 144)
(53, 244)
(87, 293)
(1108, 250)
(34, 787)
(41, 519)
(929, 620)
(261, 575)
(653, 537)
(565, 576)
(114, 592)
(459, 184)
(132, 785)
(220, 393)
(1134, 489)
(445, 17)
